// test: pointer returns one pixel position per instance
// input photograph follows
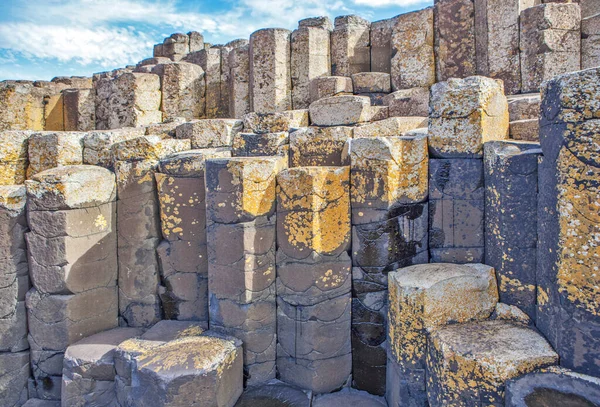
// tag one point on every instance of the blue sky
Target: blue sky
(41, 39)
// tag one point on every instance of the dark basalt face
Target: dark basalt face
(543, 397)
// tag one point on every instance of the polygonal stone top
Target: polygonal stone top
(71, 187)
(458, 98)
(13, 198)
(147, 148)
(14, 145)
(191, 163)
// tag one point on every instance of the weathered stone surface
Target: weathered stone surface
(196, 41)
(313, 209)
(261, 123)
(567, 221)
(590, 41)
(511, 182)
(553, 385)
(241, 189)
(393, 126)
(166, 129)
(413, 60)
(79, 109)
(209, 133)
(340, 110)
(134, 101)
(256, 145)
(456, 210)
(239, 82)
(319, 146)
(348, 397)
(525, 130)
(151, 147)
(379, 113)
(41, 403)
(408, 102)
(175, 46)
(326, 86)
(550, 42)
(89, 368)
(14, 374)
(183, 92)
(22, 106)
(523, 107)
(48, 150)
(455, 47)
(310, 58)
(497, 34)
(13, 157)
(274, 392)
(464, 114)
(386, 173)
(97, 145)
(211, 63)
(270, 70)
(423, 298)
(470, 362)
(381, 44)
(350, 49)
(320, 376)
(371, 82)
(511, 313)
(70, 187)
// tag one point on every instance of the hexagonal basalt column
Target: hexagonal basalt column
(464, 114)
(13, 157)
(568, 223)
(318, 146)
(470, 363)
(48, 150)
(240, 196)
(139, 232)
(422, 298)
(511, 182)
(183, 255)
(270, 79)
(350, 46)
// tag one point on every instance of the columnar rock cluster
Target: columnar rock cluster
(231, 225)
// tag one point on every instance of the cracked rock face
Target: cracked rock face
(340, 110)
(471, 362)
(319, 146)
(209, 133)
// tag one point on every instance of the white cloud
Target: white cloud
(389, 3)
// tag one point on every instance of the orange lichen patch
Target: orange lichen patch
(508, 284)
(50, 150)
(189, 355)
(578, 98)
(390, 170)
(13, 198)
(473, 361)
(179, 198)
(424, 297)
(507, 312)
(579, 236)
(542, 296)
(254, 179)
(13, 173)
(314, 203)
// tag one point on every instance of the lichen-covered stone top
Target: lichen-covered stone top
(13, 198)
(148, 148)
(71, 187)
(191, 163)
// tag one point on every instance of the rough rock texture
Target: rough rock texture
(408, 102)
(97, 145)
(326, 86)
(14, 281)
(209, 133)
(455, 47)
(261, 123)
(590, 41)
(89, 368)
(456, 210)
(318, 146)
(524, 107)
(550, 42)
(14, 374)
(413, 60)
(350, 46)
(22, 106)
(264, 144)
(511, 186)
(240, 196)
(390, 127)
(381, 45)
(340, 110)
(270, 70)
(79, 109)
(239, 82)
(423, 298)
(310, 58)
(313, 309)
(525, 130)
(14, 158)
(464, 114)
(553, 385)
(568, 226)
(348, 398)
(211, 63)
(497, 39)
(134, 100)
(183, 92)
(182, 255)
(467, 363)
(275, 393)
(371, 82)
(48, 150)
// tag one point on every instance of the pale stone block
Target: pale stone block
(239, 82)
(210, 133)
(147, 148)
(350, 46)
(408, 102)
(318, 146)
(326, 86)
(79, 109)
(590, 41)
(371, 82)
(381, 45)
(183, 92)
(525, 130)
(22, 106)
(48, 150)
(524, 107)
(340, 110)
(393, 126)
(13, 157)
(134, 101)
(270, 71)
